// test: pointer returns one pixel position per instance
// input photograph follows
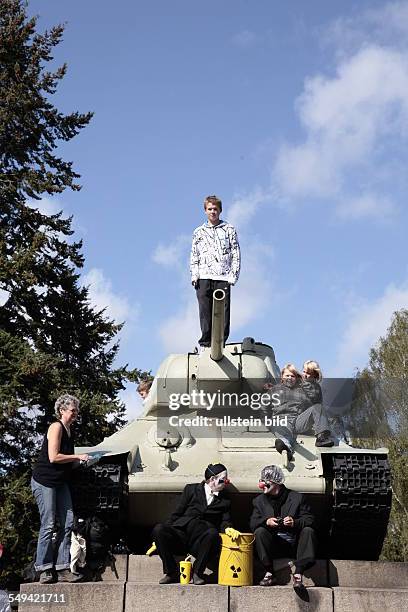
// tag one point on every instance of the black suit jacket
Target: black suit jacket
(294, 506)
(193, 505)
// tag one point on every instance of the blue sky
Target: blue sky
(295, 114)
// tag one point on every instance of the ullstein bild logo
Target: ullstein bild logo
(228, 421)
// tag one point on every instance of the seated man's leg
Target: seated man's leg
(205, 547)
(270, 546)
(306, 550)
(169, 540)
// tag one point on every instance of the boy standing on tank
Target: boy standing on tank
(214, 264)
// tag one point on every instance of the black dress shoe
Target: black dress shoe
(198, 579)
(281, 446)
(268, 580)
(169, 579)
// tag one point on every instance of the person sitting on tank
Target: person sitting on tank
(301, 401)
(50, 487)
(203, 511)
(283, 526)
(144, 387)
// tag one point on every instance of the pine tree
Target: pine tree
(51, 339)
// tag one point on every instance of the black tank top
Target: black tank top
(54, 474)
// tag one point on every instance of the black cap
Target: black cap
(214, 470)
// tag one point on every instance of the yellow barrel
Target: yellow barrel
(236, 561)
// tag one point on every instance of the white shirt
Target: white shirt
(209, 494)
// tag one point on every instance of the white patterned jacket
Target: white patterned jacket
(215, 253)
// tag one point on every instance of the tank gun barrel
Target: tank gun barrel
(217, 327)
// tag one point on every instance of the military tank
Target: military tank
(185, 425)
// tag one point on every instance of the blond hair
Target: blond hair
(292, 368)
(313, 368)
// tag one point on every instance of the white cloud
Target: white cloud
(243, 207)
(179, 333)
(132, 401)
(245, 39)
(174, 253)
(366, 325)
(347, 120)
(366, 205)
(46, 206)
(101, 295)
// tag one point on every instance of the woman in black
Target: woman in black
(49, 485)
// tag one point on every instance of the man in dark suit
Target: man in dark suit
(283, 527)
(203, 511)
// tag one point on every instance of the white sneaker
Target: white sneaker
(201, 350)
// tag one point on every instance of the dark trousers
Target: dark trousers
(205, 289)
(313, 417)
(270, 546)
(197, 538)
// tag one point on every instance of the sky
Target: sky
(295, 114)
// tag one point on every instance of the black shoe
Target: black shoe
(324, 439)
(169, 579)
(66, 575)
(198, 579)
(268, 580)
(281, 446)
(47, 577)
(299, 587)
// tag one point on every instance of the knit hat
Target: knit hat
(273, 473)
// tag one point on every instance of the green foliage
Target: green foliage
(51, 340)
(380, 418)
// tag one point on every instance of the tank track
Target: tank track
(362, 498)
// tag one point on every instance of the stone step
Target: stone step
(129, 597)
(376, 574)
(80, 597)
(280, 599)
(180, 597)
(348, 599)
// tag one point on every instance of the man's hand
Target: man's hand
(232, 533)
(272, 522)
(194, 282)
(288, 521)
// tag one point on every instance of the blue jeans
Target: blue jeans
(53, 502)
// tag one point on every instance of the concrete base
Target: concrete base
(183, 598)
(80, 597)
(117, 570)
(281, 599)
(376, 574)
(372, 600)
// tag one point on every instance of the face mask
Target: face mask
(218, 482)
(266, 486)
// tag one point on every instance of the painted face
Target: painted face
(218, 482)
(268, 487)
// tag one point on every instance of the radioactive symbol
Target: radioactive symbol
(182, 574)
(235, 571)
